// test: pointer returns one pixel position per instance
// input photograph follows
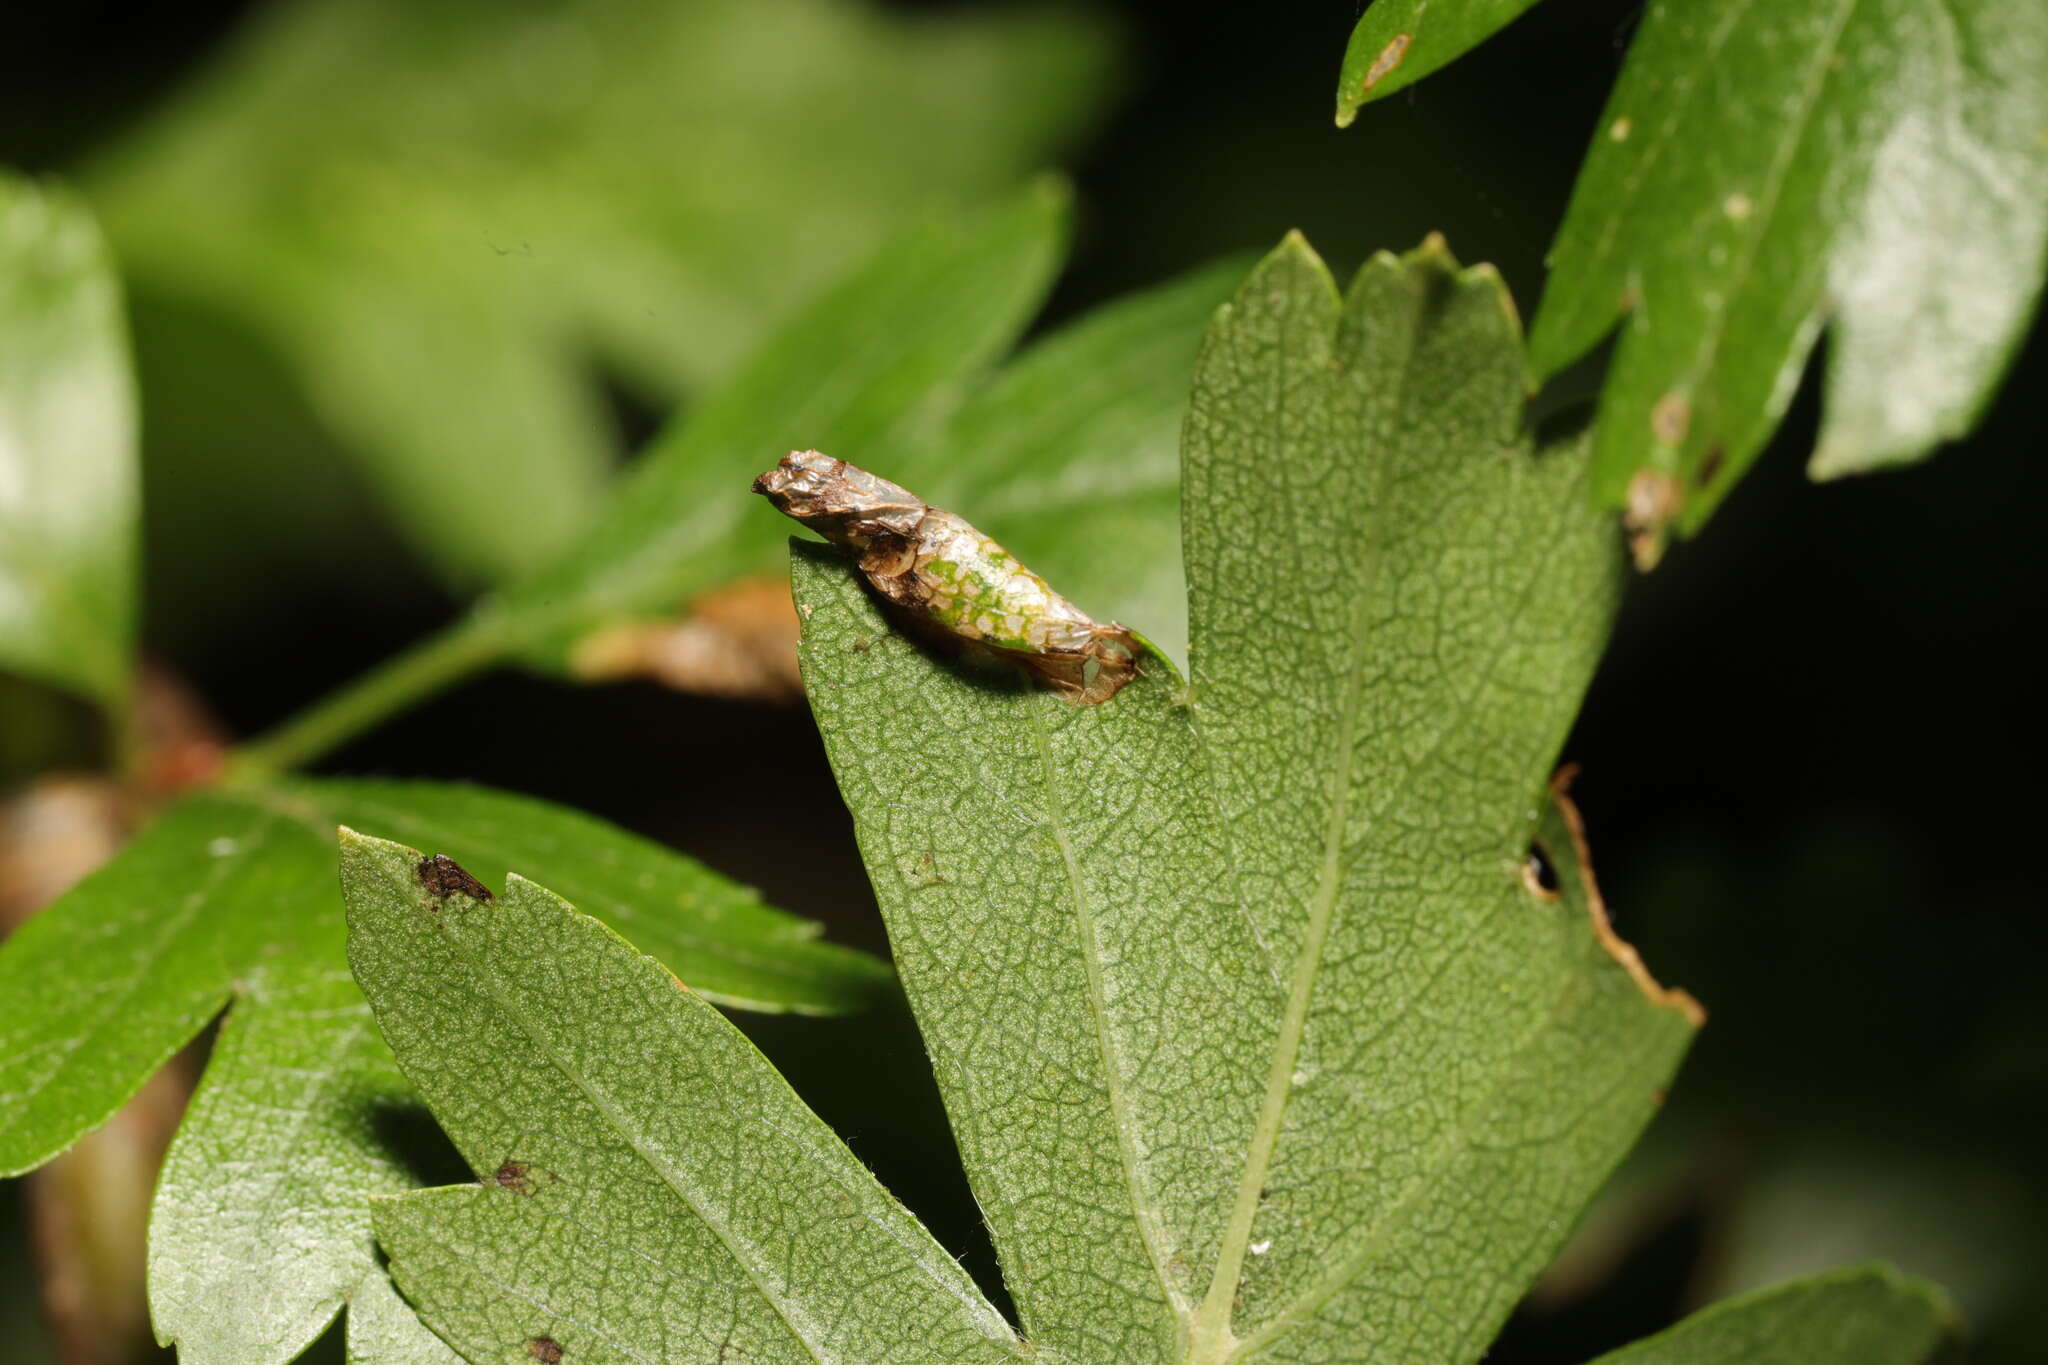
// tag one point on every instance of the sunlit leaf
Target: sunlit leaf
(68, 501)
(1763, 170)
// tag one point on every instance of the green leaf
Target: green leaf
(261, 1229)
(1398, 42)
(1071, 455)
(122, 970)
(383, 1330)
(1869, 1315)
(68, 502)
(856, 373)
(447, 216)
(1763, 169)
(1247, 1020)
(649, 1187)
(719, 936)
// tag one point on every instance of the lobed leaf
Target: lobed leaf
(121, 971)
(1257, 1042)
(68, 499)
(1868, 1315)
(1276, 1011)
(383, 1330)
(1398, 42)
(261, 1227)
(446, 217)
(649, 1188)
(1761, 170)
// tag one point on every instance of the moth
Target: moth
(947, 576)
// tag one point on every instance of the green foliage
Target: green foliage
(1357, 511)
(1763, 169)
(446, 215)
(891, 366)
(1264, 1026)
(261, 1229)
(1864, 1316)
(1398, 42)
(125, 967)
(636, 1156)
(855, 372)
(67, 448)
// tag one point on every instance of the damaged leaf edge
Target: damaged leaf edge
(1620, 949)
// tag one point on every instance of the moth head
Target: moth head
(839, 501)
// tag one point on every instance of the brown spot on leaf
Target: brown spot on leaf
(1389, 58)
(1617, 947)
(1654, 498)
(1710, 468)
(514, 1176)
(1670, 416)
(546, 1350)
(443, 877)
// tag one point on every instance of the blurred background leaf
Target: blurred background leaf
(455, 222)
(1764, 171)
(68, 502)
(1859, 1316)
(1398, 42)
(888, 348)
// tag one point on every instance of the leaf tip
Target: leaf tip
(1354, 91)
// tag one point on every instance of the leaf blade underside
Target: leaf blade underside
(650, 1187)
(1357, 508)
(260, 1228)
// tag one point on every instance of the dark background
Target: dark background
(1810, 760)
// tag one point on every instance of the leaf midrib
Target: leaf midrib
(1146, 1217)
(1210, 1335)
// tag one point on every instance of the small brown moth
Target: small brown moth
(940, 570)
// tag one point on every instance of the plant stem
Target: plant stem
(435, 664)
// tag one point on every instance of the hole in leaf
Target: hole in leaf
(1539, 873)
